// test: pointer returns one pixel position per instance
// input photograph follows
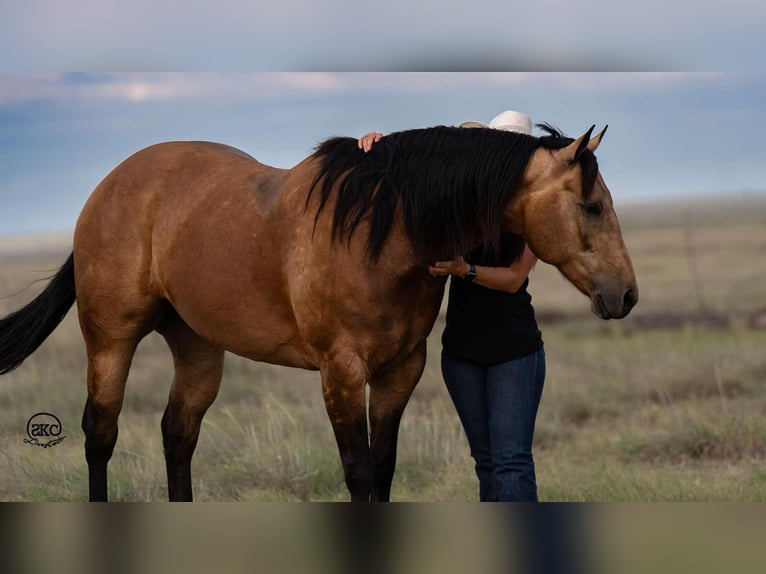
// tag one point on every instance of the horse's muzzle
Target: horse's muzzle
(614, 305)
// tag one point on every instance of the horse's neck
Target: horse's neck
(513, 216)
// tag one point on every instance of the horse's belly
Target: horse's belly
(256, 330)
(237, 305)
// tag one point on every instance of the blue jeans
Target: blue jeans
(497, 406)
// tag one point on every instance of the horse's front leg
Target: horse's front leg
(389, 394)
(344, 377)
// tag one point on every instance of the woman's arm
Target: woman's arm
(508, 279)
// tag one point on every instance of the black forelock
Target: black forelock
(555, 139)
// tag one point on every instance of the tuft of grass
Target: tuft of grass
(731, 439)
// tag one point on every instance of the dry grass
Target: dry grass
(628, 413)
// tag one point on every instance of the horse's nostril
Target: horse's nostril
(629, 300)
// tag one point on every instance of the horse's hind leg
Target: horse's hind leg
(389, 394)
(198, 372)
(113, 321)
(343, 386)
(108, 366)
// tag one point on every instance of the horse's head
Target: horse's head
(565, 212)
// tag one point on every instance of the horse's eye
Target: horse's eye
(591, 208)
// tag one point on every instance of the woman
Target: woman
(493, 361)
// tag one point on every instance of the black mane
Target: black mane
(452, 185)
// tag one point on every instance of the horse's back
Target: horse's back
(159, 187)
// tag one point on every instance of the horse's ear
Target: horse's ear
(579, 145)
(593, 144)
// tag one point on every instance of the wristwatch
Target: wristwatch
(470, 275)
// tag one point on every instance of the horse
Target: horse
(323, 266)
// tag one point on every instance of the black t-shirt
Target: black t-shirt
(487, 326)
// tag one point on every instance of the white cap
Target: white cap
(508, 120)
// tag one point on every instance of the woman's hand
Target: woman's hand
(457, 267)
(508, 279)
(367, 140)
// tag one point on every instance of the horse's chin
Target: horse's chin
(598, 307)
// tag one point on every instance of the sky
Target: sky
(671, 134)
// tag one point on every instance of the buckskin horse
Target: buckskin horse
(322, 266)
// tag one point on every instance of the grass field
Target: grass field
(668, 404)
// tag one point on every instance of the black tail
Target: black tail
(25, 330)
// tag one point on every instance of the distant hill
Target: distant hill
(35, 244)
